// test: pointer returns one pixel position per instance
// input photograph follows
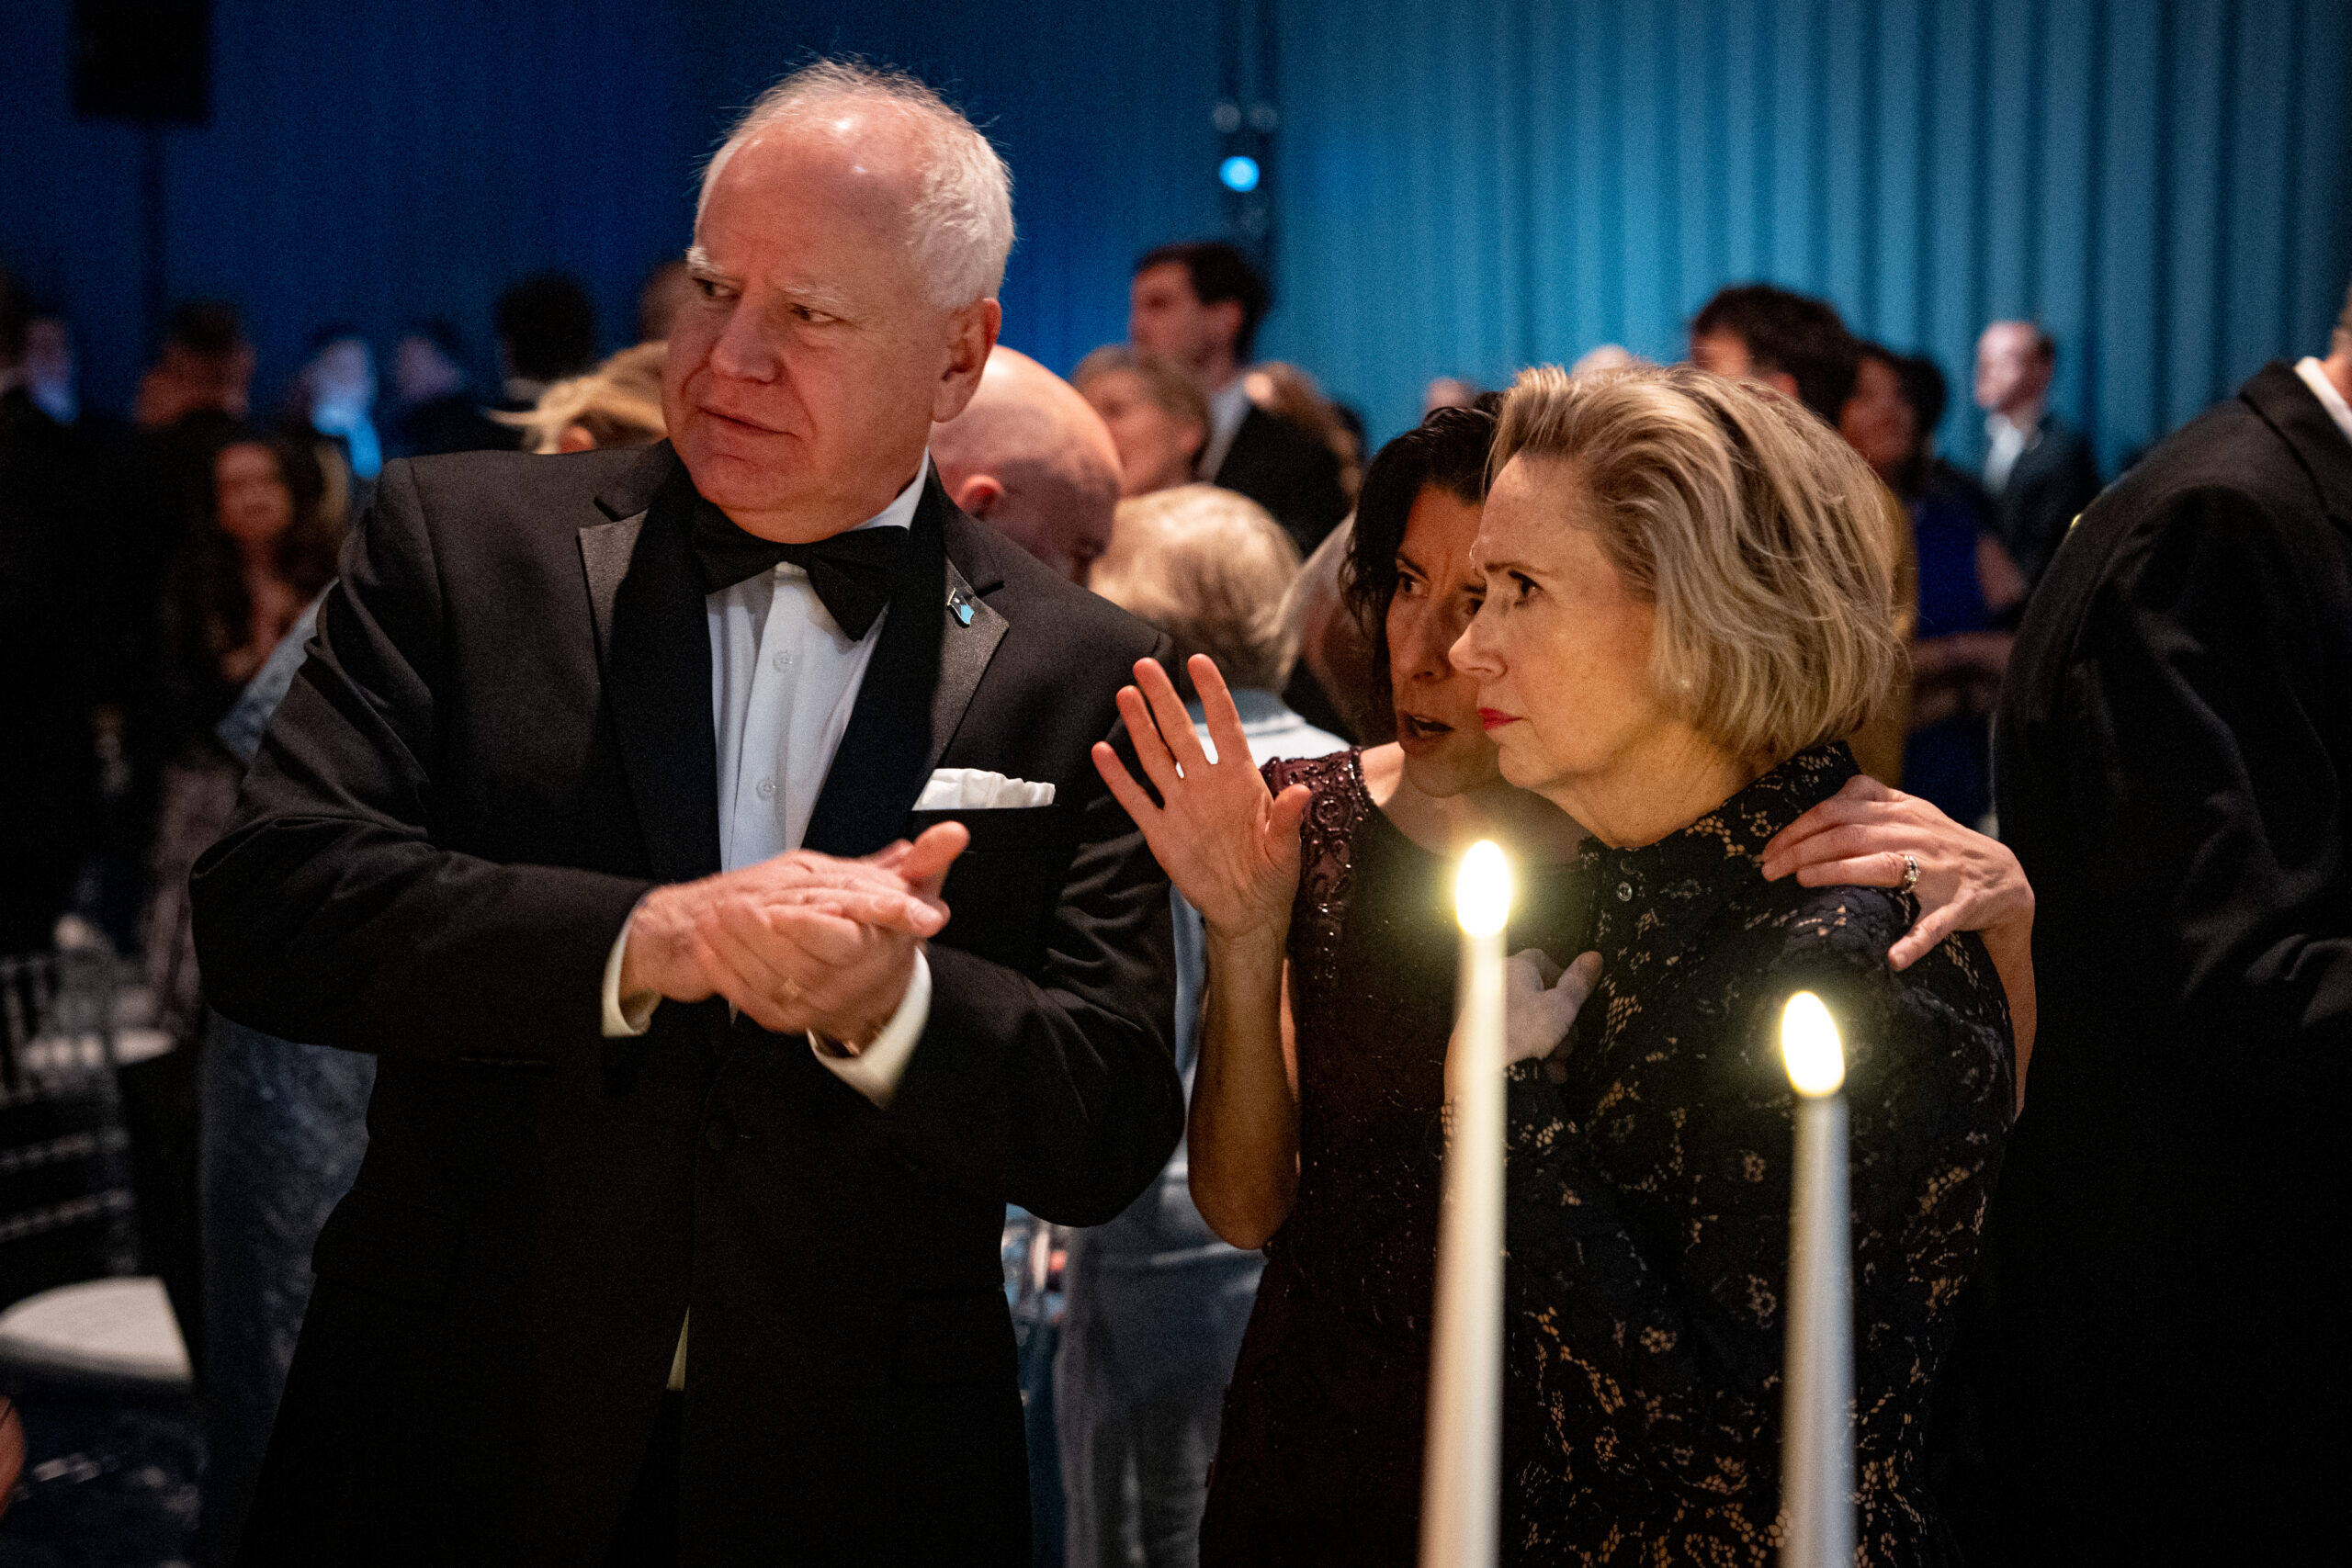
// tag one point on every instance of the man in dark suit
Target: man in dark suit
(432, 410)
(2038, 469)
(52, 570)
(558, 821)
(2164, 1370)
(1201, 305)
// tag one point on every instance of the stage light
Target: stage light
(1238, 173)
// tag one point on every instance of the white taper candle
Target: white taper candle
(1817, 1436)
(1461, 1484)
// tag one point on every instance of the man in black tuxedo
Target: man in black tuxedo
(2165, 1370)
(2038, 469)
(558, 819)
(1201, 305)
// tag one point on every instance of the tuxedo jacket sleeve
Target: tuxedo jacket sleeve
(485, 763)
(2177, 732)
(342, 904)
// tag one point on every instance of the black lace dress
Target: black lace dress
(1320, 1461)
(1649, 1199)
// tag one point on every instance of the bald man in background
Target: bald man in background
(1029, 456)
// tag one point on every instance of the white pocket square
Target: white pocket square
(977, 789)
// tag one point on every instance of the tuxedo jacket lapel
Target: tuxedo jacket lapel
(653, 642)
(2279, 396)
(967, 641)
(936, 643)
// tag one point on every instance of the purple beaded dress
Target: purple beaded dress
(1320, 1456)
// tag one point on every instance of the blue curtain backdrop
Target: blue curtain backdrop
(1460, 186)
(365, 162)
(1470, 186)
(373, 161)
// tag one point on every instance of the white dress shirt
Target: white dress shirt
(2008, 444)
(1229, 406)
(784, 680)
(2314, 376)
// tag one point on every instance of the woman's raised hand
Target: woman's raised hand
(1231, 847)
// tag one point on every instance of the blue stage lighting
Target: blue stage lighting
(1238, 173)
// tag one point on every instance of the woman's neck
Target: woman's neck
(1530, 827)
(1662, 790)
(1523, 822)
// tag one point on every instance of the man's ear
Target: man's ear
(972, 335)
(1227, 316)
(979, 495)
(1780, 381)
(575, 438)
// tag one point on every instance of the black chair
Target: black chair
(66, 1211)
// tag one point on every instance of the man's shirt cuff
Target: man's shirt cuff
(623, 1019)
(875, 1071)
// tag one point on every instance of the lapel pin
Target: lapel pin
(959, 604)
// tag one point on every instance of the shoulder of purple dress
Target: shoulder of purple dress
(1319, 774)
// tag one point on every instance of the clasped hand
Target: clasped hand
(799, 941)
(1541, 1001)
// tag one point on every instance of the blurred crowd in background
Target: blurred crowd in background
(153, 560)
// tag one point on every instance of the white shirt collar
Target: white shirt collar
(1229, 406)
(900, 513)
(2314, 376)
(1997, 425)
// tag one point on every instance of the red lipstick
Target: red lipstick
(1495, 718)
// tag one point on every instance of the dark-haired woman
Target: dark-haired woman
(263, 549)
(1968, 586)
(1315, 1114)
(261, 552)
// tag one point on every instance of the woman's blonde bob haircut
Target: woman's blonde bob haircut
(1757, 533)
(1213, 570)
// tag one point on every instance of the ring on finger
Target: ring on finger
(1910, 874)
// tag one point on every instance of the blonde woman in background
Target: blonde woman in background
(616, 404)
(1158, 417)
(1158, 1303)
(1285, 390)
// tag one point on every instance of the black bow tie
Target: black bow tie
(853, 573)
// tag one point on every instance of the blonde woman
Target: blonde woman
(616, 404)
(1687, 599)
(1158, 417)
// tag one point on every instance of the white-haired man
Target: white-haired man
(1032, 457)
(589, 816)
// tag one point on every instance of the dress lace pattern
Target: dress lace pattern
(1649, 1198)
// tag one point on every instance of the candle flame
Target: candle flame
(1482, 889)
(1809, 1046)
